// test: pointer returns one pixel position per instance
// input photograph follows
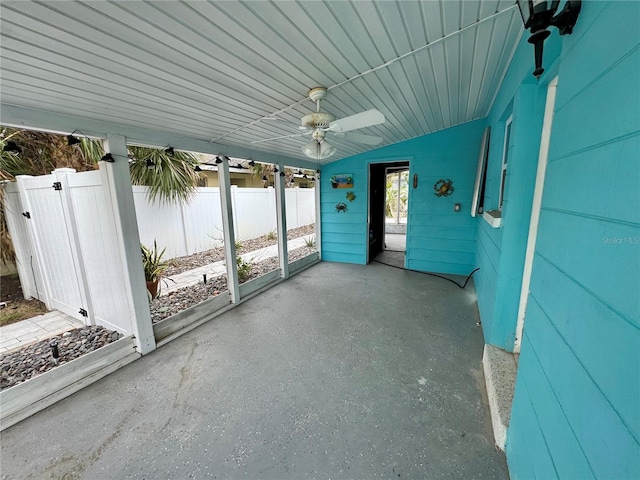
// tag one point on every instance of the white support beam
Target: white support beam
(228, 231)
(318, 219)
(19, 117)
(281, 214)
(116, 182)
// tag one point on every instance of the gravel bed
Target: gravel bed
(181, 299)
(189, 262)
(32, 360)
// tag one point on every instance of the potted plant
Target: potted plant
(154, 267)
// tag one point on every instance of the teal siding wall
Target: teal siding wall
(344, 234)
(501, 251)
(576, 411)
(438, 239)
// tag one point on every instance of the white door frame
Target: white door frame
(535, 210)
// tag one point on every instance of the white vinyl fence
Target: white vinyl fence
(187, 228)
(66, 244)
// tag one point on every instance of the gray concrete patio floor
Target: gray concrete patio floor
(343, 371)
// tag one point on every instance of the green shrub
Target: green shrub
(310, 242)
(244, 269)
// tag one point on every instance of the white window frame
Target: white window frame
(505, 154)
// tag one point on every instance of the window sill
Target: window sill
(493, 217)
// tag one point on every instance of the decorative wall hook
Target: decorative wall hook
(341, 207)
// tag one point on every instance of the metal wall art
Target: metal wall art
(341, 207)
(443, 188)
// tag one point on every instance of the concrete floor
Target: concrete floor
(395, 242)
(344, 371)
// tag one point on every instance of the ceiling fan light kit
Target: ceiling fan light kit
(318, 124)
(320, 150)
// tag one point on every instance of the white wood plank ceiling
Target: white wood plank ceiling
(234, 72)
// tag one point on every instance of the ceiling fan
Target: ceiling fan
(318, 124)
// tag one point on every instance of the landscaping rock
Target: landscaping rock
(20, 365)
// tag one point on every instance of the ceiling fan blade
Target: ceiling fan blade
(359, 138)
(359, 120)
(280, 137)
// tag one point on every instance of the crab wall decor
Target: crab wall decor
(341, 207)
(351, 196)
(443, 188)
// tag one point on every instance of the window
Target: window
(505, 154)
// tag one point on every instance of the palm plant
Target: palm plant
(170, 178)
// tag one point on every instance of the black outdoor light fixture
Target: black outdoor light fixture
(198, 169)
(71, 140)
(11, 147)
(218, 160)
(107, 158)
(150, 164)
(538, 15)
(169, 150)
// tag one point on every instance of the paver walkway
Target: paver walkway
(34, 329)
(193, 277)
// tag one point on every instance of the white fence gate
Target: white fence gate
(64, 234)
(67, 254)
(58, 255)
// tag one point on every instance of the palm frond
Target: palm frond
(169, 178)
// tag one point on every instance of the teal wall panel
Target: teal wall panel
(607, 442)
(446, 154)
(526, 109)
(601, 339)
(576, 410)
(528, 454)
(563, 457)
